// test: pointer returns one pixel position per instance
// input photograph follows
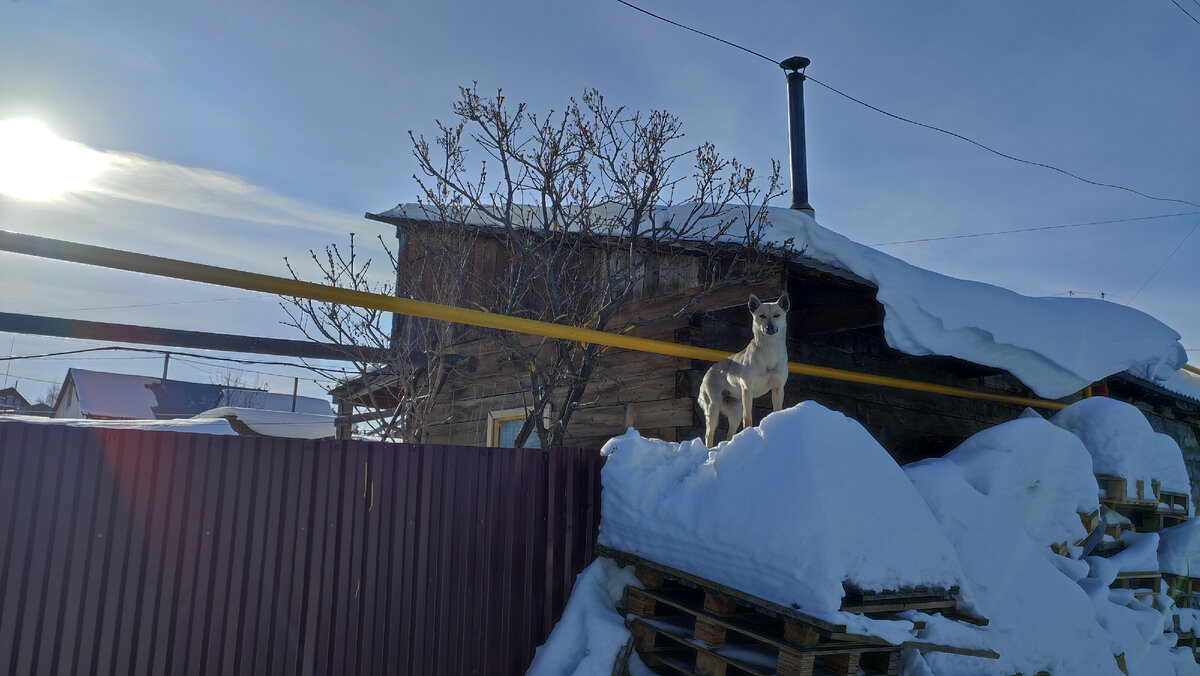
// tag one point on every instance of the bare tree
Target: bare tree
(402, 388)
(50, 397)
(587, 210)
(240, 389)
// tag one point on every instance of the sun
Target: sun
(37, 165)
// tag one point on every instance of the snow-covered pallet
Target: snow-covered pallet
(1189, 640)
(1148, 510)
(1114, 493)
(685, 624)
(1181, 588)
(1144, 584)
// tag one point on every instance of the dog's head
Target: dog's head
(769, 318)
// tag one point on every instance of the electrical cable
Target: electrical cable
(1044, 227)
(914, 122)
(1185, 11)
(176, 302)
(1166, 260)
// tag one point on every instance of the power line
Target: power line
(170, 352)
(919, 124)
(1164, 263)
(707, 35)
(1021, 230)
(176, 302)
(1182, 10)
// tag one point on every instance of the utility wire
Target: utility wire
(172, 353)
(1182, 10)
(1020, 230)
(1166, 260)
(174, 302)
(920, 124)
(707, 35)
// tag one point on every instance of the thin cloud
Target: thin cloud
(138, 178)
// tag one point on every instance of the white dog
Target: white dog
(732, 383)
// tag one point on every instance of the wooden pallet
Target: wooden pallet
(674, 632)
(1116, 495)
(1183, 591)
(1145, 585)
(925, 599)
(1189, 640)
(1177, 504)
(685, 624)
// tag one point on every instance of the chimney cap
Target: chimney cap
(795, 63)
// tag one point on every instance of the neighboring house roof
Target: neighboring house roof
(1055, 346)
(10, 398)
(128, 397)
(272, 401)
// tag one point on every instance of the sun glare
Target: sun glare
(37, 165)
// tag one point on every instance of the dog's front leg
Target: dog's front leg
(747, 401)
(777, 398)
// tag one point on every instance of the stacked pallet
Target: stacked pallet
(1146, 510)
(683, 624)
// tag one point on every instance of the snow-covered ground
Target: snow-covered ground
(790, 509)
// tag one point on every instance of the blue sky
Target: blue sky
(254, 131)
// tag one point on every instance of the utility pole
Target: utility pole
(166, 362)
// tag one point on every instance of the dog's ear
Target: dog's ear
(784, 303)
(754, 303)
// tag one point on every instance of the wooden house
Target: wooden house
(836, 321)
(11, 400)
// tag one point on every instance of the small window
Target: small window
(505, 425)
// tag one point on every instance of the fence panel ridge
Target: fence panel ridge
(128, 551)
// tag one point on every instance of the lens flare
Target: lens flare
(37, 165)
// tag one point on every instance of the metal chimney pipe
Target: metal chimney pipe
(795, 83)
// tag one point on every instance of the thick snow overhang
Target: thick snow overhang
(1055, 346)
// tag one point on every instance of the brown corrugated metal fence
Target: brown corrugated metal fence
(130, 552)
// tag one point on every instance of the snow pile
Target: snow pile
(1056, 346)
(756, 513)
(1042, 476)
(788, 510)
(590, 634)
(1123, 444)
(277, 423)
(1179, 549)
(1039, 617)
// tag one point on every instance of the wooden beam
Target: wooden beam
(148, 335)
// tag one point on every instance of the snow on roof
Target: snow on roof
(114, 395)
(1123, 444)
(272, 401)
(192, 425)
(278, 423)
(122, 396)
(1056, 346)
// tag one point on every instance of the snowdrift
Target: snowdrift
(789, 510)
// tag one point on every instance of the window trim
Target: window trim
(499, 416)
